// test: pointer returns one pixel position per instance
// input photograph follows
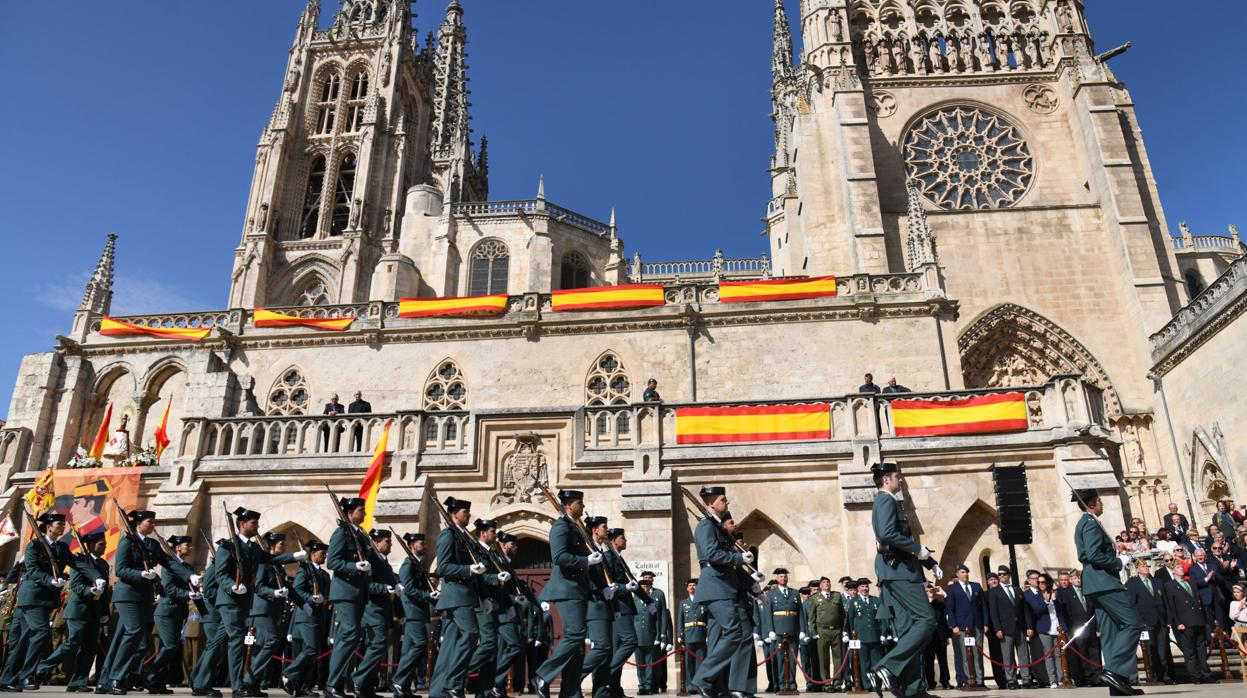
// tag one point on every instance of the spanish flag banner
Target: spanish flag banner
(972, 415)
(776, 289)
(161, 434)
(267, 318)
(117, 328)
(449, 307)
(708, 425)
(42, 494)
(372, 480)
(609, 297)
(101, 436)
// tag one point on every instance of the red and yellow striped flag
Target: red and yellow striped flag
(449, 307)
(118, 328)
(776, 289)
(609, 297)
(372, 480)
(267, 318)
(971, 415)
(161, 435)
(101, 436)
(707, 425)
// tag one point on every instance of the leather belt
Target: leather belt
(783, 613)
(695, 624)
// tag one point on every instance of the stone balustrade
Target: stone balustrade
(1224, 298)
(517, 207)
(1196, 243)
(188, 320)
(716, 268)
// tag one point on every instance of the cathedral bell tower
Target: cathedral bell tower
(365, 113)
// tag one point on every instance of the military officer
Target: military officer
(419, 595)
(539, 635)
(179, 585)
(213, 655)
(519, 598)
(743, 670)
(494, 603)
(350, 559)
(623, 625)
(809, 646)
(568, 590)
(461, 573)
(268, 606)
(898, 565)
(783, 624)
(862, 610)
(599, 613)
(665, 635)
(826, 623)
(1115, 615)
(86, 607)
(653, 627)
(308, 621)
(691, 619)
(378, 614)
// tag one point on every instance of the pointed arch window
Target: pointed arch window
(608, 382)
(314, 293)
(326, 108)
(574, 272)
(342, 195)
(488, 268)
(309, 224)
(355, 105)
(1194, 283)
(445, 388)
(290, 394)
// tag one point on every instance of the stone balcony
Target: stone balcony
(717, 268)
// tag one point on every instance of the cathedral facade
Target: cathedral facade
(970, 171)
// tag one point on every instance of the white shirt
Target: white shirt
(1052, 619)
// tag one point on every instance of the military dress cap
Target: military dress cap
(714, 491)
(614, 533)
(845, 579)
(452, 505)
(504, 537)
(594, 521)
(245, 514)
(1085, 495)
(1004, 568)
(412, 537)
(864, 581)
(351, 503)
(992, 575)
(314, 545)
(51, 517)
(851, 584)
(884, 467)
(780, 570)
(815, 582)
(274, 537)
(175, 541)
(647, 573)
(380, 533)
(571, 495)
(98, 488)
(804, 590)
(484, 524)
(962, 568)
(140, 514)
(646, 580)
(97, 536)
(693, 580)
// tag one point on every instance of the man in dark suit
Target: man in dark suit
(1185, 614)
(1205, 576)
(1077, 611)
(964, 609)
(1147, 596)
(358, 406)
(1011, 619)
(1178, 524)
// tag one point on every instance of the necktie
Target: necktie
(966, 588)
(1009, 593)
(1148, 583)
(1080, 599)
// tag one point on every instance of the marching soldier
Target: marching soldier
(350, 560)
(520, 597)
(1115, 615)
(783, 624)
(809, 646)
(86, 608)
(898, 565)
(210, 660)
(494, 603)
(861, 611)
(599, 614)
(623, 626)
(539, 634)
(458, 602)
(743, 671)
(307, 622)
(691, 619)
(378, 615)
(268, 605)
(663, 612)
(179, 585)
(653, 640)
(568, 590)
(418, 597)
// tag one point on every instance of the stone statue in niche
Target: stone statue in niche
(519, 471)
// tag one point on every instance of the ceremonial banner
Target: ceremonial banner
(450, 307)
(86, 495)
(972, 415)
(707, 425)
(776, 289)
(609, 297)
(41, 495)
(267, 318)
(371, 486)
(116, 328)
(101, 437)
(161, 434)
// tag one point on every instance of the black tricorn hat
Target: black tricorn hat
(140, 514)
(175, 541)
(570, 495)
(884, 467)
(484, 524)
(274, 536)
(504, 537)
(51, 517)
(779, 570)
(412, 537)
(614, 533)
(713, 491)
(692, 581)
(351, 503)
(245, 514)
(380, 533)
(314, 545)
(1086, 496)
(452, 505)
(594, 521)
(647, 573)
(96, 536)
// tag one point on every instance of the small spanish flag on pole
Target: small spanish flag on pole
(162, 431)
(101, 436)
(372, 481)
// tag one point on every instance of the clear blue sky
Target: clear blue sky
(142, 117)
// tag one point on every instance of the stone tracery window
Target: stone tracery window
(327, 106)
(314, 293)
(608, 382)
(342, 194)
(357, 99)
(290, 394)
(309, 226)
(488, 268)
(962, 157)
(574, 272)
(445, 389)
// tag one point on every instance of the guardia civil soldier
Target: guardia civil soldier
(783, 625)
(665, 633)
(213, 655)
(862, 611)
(539, 635)
(690, 622)
(808, 654)
(898, 565)
(1115, 615)
(519, 597)
(268, 607)
(718, 589)
(419, 595)
(494, 603)
(826, 623)
(568, 590)
(237, 566)
(599, 613)
(652, 638)
(179, 586)
(460, 598)
(307, 622)
(378, 614)
(623, 625)
(87, 605)
(350, 560)
(743, 670)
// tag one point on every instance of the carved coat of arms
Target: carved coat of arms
(524, 465)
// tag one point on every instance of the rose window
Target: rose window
(967, 158)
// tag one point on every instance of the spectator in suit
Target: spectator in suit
(869, 386)
(937, 649)
(966, 616)
(333, 408)
(1077, 613)
(1166, 570)
(1148, 598)
(358, 406)
(893, 387)
(1205, 576)
(1185, 614)
(993, 643)
(1046, 624)
(1222, 518)
(1180, 523)
(1011, 619)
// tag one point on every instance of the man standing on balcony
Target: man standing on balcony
(651, 391)
(358, 406)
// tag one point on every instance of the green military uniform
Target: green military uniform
(538, 636)
(458, 604)
(623, 624)
(510, 643)
(862, 612)
(825, 621)
(268, 607)
(903, 600)
(494, 604)
(307, 624)
(170, 616)
(784, 620)
(718, 590)
(652, 625)
(209, 663)
(665, 635)
(1115, 615)
(87, 605)
(743, 671)
(377, 620)
(134, 597)
(568, 590)
(691, 620)
(598, 617)
(418, 600)
(808, 651)
(348, 592)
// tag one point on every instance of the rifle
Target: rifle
(268, 549)
(134, 536)
(43, 543)
(211, 547)
(310, 570)
(579, 525)
(414, 562)
(462, 535)
(233, 542)
(640, 593)
(706, 514)
(346, 524)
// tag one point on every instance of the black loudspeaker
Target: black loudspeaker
(1013, 504)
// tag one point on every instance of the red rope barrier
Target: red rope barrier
(1073, 649)
(388, 666)
(843, 663)
(319, 657)
(768, 658)
(695, 655)
(656, 662)
(1024, 666)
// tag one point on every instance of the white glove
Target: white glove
(747, 557)
(939, 573)
(239, 589)
(923, 553)
(757, 642)
(435, 595)
(281, 593)
(667, 648)
(504, 576)
(331, 639)
(390, 590)
(300, 555)
(802, 637)
(363, 566)
(756, 589)
(399, 588)
(844, 637)
(657, 643)
(149, 574)
(545, 606)
(595, 559)
(195, 595)
(318, 599)
(1125, 559)
(609, 592)
(537, 643)
(97, 592)
(758, 577)
(632, 585)
(290, 638)
(770, 637)
(195, 580)
(98, 584)
(478, 568)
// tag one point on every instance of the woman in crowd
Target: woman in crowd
(1238, 616)
(1222, 518)
(1047, 623)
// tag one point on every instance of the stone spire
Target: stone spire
(919, 242)
(450, 90)
(482, 158)
(781, 51)
(98, 298)
(307, 23)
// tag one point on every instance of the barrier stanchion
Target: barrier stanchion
(1067, 681)
(679, 668)
(1144, 640)
(968, 644)
(855, 651)
(1218, 636)
(787, 678)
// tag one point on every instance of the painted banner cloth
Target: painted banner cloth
(972, 415)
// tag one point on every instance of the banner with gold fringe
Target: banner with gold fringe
(972, 415)
(609, 297)
(450, 307)
(110, 327)
(268, 318)
(706, 425)
(776, 289)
